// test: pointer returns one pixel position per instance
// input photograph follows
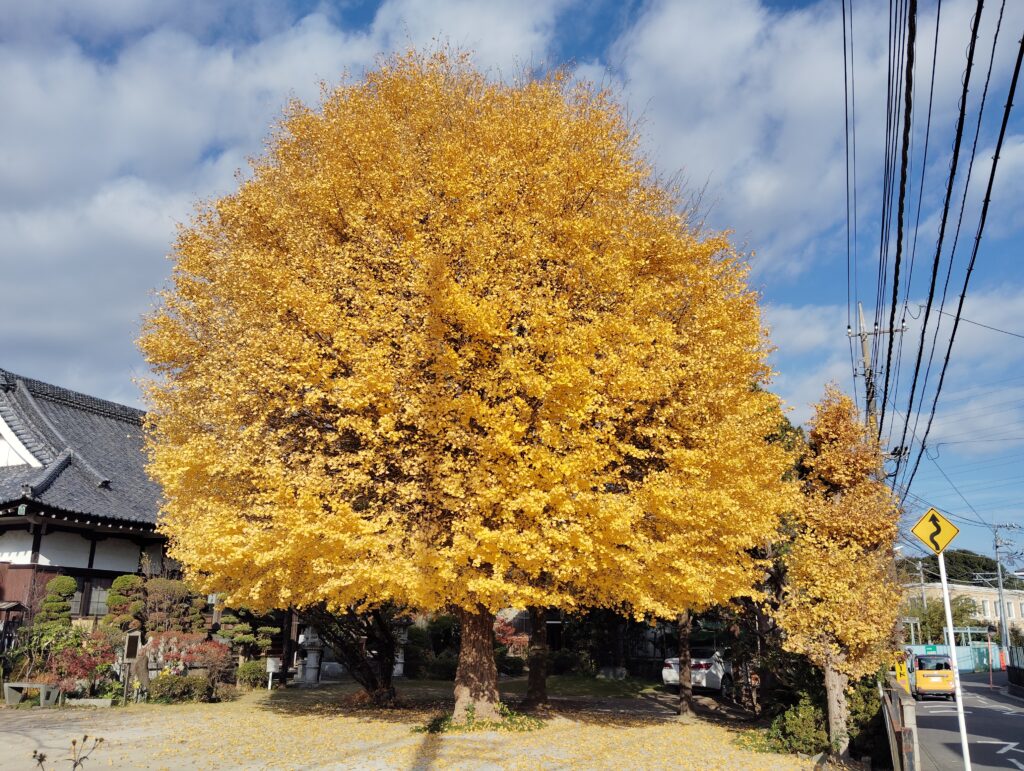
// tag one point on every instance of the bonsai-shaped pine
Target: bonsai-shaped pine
(171, 606)
(453, 346)
(56, 606)
(249, 634)
(51, 627)
(126, 604)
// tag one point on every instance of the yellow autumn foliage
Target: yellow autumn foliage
(842, 598)
(453, 345)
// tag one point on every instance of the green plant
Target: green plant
(443, 667)
(801, 728)
(169, 689)
(171, 606)
(249, 634)
(508, 665)
(866, 725)
(225, 692)
(417, 652)
(252, 674)
(126, 603)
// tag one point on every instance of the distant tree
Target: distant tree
(961, 565)
(841, 596)
(933, 620)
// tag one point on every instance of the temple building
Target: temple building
(74, 496)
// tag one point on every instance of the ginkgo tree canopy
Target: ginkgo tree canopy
(453, 345)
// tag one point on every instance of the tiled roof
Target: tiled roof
(91, 452)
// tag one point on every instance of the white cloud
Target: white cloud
(751, 101)
(120, 115)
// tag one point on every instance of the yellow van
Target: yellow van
(931, 675)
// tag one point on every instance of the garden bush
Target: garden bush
(513, 666)
(252, 674)
(443, 667)
(801, 728)
(417, 652)
(169, 689)
(566, 661)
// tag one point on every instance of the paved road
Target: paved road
(995, 727)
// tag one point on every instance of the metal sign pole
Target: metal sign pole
(956, 667)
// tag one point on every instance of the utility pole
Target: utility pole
(924, 600)
(871, 404)
(998, 542)
(1004, 634)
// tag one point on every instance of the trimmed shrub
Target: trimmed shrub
(513, 666)
(56, 605)
(801, 728)
(252, 674)
(126, 603)
(443, 667)
(417, 652)
(169, 689)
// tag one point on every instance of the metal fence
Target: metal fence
(900, 714)
(1015, 666)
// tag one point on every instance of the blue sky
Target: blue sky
(119, 115)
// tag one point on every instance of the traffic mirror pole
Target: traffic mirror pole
(951, 641)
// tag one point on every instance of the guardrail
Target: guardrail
(900, 713)
(1015, 667)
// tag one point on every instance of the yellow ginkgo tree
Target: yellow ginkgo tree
(841, 598)
(453, 346)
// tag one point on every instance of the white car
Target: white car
(708, 669)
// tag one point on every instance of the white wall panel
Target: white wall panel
(117, 554)
(16, 547)
(66, 550)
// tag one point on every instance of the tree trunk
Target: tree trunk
(685, 624)
(838, 712)
(476, 679)
(537, 659)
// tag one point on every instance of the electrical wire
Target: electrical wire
(974, 251)
(958, 138)
(963, 206)
(902, 200)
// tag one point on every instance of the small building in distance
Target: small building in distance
(74, 495)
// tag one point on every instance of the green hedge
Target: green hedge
(252, 674)
(169, 689)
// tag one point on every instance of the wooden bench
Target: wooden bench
(14, 693)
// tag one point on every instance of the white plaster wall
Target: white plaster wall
(66, 550)
(117, 554)
(16, 547)
(12, 451)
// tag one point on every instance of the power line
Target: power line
(986, 326)
(945, 213)
(963, 206)
(901, 205)
(974, 251)
(920, 200)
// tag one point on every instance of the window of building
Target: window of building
(98, 596)
(76, 598)
(984, 608)
(1009, 610)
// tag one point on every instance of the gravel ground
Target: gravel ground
(298, 729)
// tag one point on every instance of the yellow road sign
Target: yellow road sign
(935, 531)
